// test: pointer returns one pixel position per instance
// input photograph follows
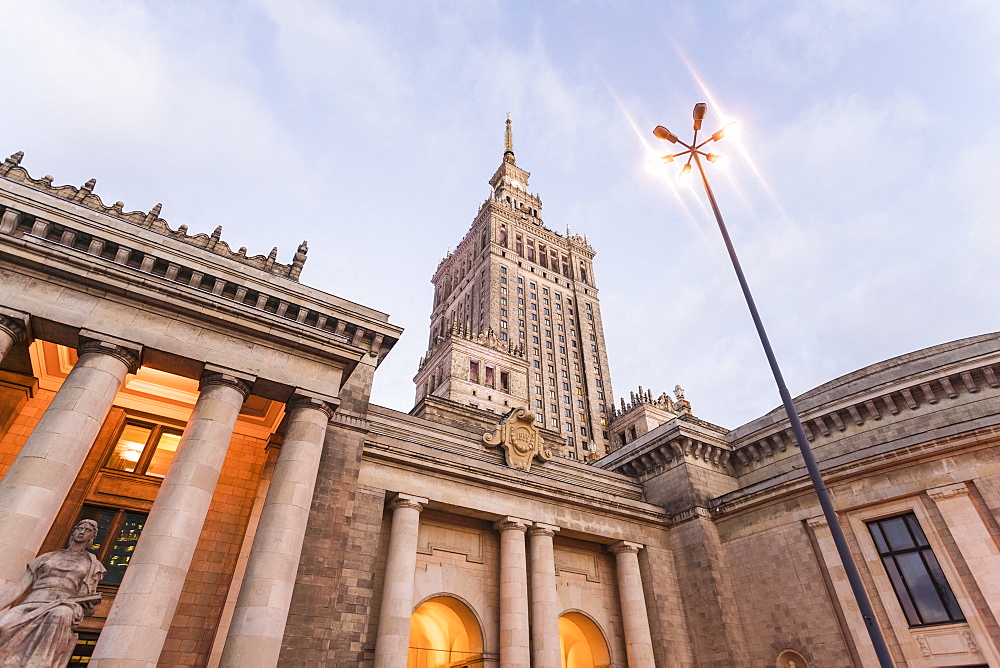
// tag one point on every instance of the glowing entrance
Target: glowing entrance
(444, 634)
(582, 643)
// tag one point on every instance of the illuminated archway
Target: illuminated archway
(444, 632)
(581, 643)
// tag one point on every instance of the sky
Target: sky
(862, 195)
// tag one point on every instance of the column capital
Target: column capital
(948, 491)
(14, 326)
(625, 546)
(817, 522)
(302, 399)
(215, 375)
(127, 352)
(510, 524)
(407, 501)
(541, 529)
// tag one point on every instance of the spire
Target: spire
(508, 154)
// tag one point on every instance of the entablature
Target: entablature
(56, 239)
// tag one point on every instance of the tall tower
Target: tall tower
(517, 320)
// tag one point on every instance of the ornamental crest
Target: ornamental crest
(520, 439)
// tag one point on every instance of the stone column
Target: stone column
(635, 621)
(137, 625)
(514, 652)
(40, 478)
(545, 650)
(12, 330)
(973, 539)
(262, 606)
(392, 639)
(842, 593)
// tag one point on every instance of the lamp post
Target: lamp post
(695, 154)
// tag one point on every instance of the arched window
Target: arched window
(581, 643)
(444, 632)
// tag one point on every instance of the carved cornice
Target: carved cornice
(948, 491)
(128, 356)
(85, 196)
(867, 408)
(328, 321)
(690, 514)
(350, 422)
(674, 451)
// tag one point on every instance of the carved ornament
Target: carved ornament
(520, 439)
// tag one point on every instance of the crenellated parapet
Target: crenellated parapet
(85, 196)
(487, 338)
(663, 402)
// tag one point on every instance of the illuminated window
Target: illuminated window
(118, 532)
(146, 449)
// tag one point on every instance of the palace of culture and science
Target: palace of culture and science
(208, 414)
(517, 321)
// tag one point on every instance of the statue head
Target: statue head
(84, 531)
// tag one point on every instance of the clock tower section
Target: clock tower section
(516, 321)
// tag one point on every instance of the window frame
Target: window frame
(157, 430)
(904, 589)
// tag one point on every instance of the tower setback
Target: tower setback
(516, 320)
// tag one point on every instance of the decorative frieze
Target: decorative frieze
(213, 243)
(149, 264)
(923, 393)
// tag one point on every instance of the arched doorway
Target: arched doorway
(444, 633)
(581, 642)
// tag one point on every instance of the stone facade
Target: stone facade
(514, 280)
(212, 414)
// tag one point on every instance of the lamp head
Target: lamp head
(699, 114)
(661, 132)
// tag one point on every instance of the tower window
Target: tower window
(917, 579)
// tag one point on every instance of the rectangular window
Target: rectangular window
(489, 376)
(538, 403)
(504, 381)
(569, 413)
(145, 449)
(117, 534)
(474, 371)
(916, 576)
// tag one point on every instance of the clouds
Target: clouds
(372, 130)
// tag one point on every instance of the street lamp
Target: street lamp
(695, 154)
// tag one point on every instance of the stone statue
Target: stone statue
(61, 588)
(679, 392)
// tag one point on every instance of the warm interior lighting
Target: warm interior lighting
(444, 632)
(581, 642)
(130, 452)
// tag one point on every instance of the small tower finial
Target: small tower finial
(508, 154)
